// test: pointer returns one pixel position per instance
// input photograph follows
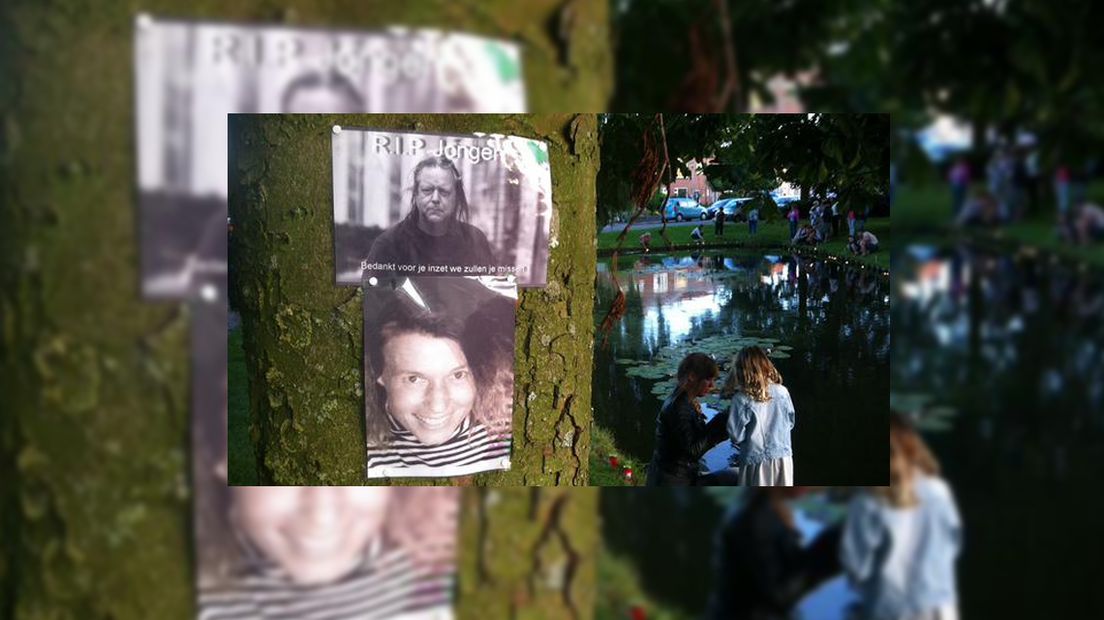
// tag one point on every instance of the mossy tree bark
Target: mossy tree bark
(529, 553)
(303, 335)
(93, 430)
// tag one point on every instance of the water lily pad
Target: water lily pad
(649, 372)
(716, 402)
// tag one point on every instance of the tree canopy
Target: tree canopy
(749, 154)
(1005, 66)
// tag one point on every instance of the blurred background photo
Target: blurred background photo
(997, 369)
(190, 75)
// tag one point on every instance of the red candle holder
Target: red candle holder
(636, 612)
(614, 461)
(627, 472)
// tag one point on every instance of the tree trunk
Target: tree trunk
(529, 553)
(94, 495)
(303, 335)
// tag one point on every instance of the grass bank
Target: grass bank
(621, 593)
(602, 474)
(923, 213)
(239, 448)
(770, 236)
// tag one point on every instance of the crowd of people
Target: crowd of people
(1014, 188)
(825, 222)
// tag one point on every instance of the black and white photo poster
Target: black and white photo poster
(190, 75)
(421, 204)
(386, 553)
(438, 374)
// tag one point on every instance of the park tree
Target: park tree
(1003, 66)
(94, 443)
(751, 154)
(303, 336)
(717, 55)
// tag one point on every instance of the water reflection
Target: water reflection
(1001, 360)
(679, 573)
(828, 323)
(1029, 330)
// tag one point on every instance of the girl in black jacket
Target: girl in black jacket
(682, 434)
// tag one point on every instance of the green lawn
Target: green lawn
(620, 589)
(241, 462)
(770, 236)
(924, 212)
(601, 473)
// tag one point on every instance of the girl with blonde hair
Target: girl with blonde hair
(760, 420)
(900, 542)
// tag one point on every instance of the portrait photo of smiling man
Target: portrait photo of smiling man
(421, 204)
(438, 375)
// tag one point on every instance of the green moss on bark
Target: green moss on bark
(93, 431)
(529, 553)
(303, 334)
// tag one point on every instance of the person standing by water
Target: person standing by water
(718, 223)
(682, 434)
(959, 178)
(760, 420)
(1062, 178)
(753, 220)
(794, 216)
(761, 569)
(900, 542)
(860, 225)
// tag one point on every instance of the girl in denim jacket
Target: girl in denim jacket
(901, 542)
(760, 420)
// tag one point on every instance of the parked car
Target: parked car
(784, 201)
(711, 210)
(680, 209)
(734, 208)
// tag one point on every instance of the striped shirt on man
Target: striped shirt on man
(471, 449)
(389, 585)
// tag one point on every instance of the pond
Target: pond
(1001, 360)
(1000, 357)
(825, 322)
(679, 573)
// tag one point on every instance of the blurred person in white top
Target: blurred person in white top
(900, 542)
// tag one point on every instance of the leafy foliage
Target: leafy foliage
(751, 155)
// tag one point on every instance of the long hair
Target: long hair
(694, 369)
(331, 81)
(752, 373)
(908, 455)
(444, 163)
(489, 346)
(398, 316)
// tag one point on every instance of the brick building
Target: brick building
(695, 186)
